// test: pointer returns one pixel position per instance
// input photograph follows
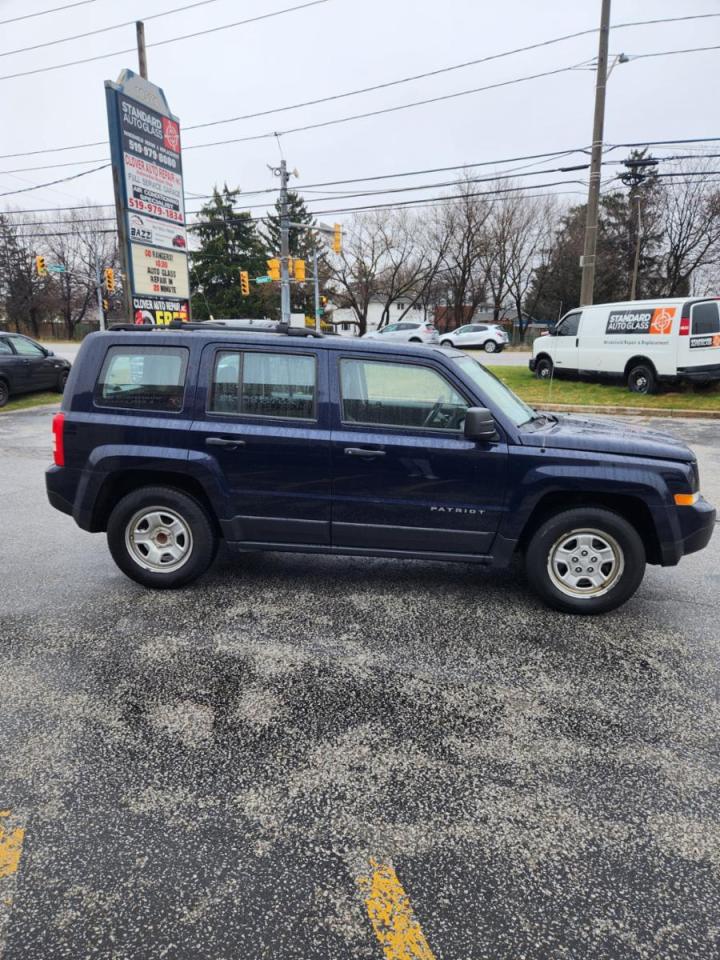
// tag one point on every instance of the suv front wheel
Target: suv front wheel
(585, 561)
(161, 537)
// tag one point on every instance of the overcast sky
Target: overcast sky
(335, 47)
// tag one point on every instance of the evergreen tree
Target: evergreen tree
(229, 243)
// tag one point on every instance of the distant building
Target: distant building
(344, 319)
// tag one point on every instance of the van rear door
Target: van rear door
(699, 340)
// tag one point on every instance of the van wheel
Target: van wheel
(161, 537)
(544, 368)
(642, 379)
(587, 561)
(4, 393)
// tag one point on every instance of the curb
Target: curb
(631, 411)
(39, 407)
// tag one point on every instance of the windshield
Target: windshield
(496, 392)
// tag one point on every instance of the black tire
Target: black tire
(198, 543)
(61, 381)
(623, 573)
(490, 346)
(642, 379)
(544, 368)
(4, 393)
(446, 343)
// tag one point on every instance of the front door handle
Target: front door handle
(223, 442)
(362, 452)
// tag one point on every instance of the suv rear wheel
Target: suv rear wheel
(161, 537)
(587, 560)
(490, 346)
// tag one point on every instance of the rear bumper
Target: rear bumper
(697, 524)
(703, 374)
(61, 485)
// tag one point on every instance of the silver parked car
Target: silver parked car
(406, 331)
(489, 337)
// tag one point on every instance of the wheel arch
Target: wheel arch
(636, 361)
(119, 484)
(632, 509)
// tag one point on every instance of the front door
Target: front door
(264, 427)
(404, 476)
(566, 344)
(37, 370)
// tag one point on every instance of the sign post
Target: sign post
(149, 200)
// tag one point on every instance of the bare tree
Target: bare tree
(533, 226)
(691, 241)
(356, 276)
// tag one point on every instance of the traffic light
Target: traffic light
(109, 274)
(106, 305)
(273, 268)
(323, 304)
(40, 266)
(244, 283)
(300, 271)
(337, 238)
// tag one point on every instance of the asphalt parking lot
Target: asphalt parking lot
(213, 773)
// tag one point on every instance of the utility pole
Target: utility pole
(591, 225)
(98, 291)
(142, 56)
(316, 283)
(636, 264)
(284, 246)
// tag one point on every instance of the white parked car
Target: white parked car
(643, 342)
(406, 331)
(489, 337)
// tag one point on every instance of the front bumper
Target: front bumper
(532, 363)
(697, 524)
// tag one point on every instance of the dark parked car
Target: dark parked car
(171, 440)
(26, 366)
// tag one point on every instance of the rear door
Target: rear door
(404, 476)
(566, 343)
(264, 424)
(702, 347)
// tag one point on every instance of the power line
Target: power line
(115, 26)
(671, 53)
(161, 43)
(42, 13)
(39, 186)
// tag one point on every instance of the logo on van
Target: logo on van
(658, 321)
(662, 320)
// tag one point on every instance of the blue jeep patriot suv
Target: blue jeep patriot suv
(172, 439)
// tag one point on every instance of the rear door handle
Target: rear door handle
(362, 452)
(223, 442)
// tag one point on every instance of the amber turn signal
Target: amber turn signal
(686, 499)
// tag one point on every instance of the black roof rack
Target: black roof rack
(175, 325)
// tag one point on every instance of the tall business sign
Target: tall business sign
(149, 199)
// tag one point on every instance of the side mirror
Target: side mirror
(480, 425)
(49, 353)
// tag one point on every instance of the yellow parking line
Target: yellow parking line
(11, 842)
(392, 917)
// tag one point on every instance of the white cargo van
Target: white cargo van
(642, 342)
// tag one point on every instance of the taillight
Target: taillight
(58, 429)
(684, 326)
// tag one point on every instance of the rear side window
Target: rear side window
(705, 318)
(263, 384)
(143, 378)
(5, 346)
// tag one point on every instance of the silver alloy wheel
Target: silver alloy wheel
(490, 346)
(158, 539)
(585, 563)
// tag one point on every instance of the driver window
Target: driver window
(399, 395)
(568, 326)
